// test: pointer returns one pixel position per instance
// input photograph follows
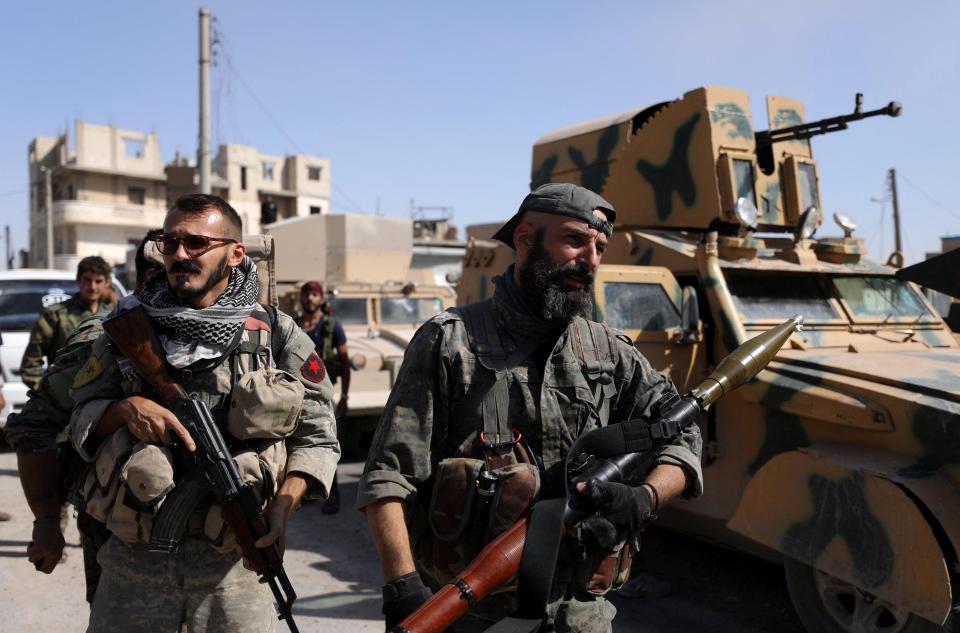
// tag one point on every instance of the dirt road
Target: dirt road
(333, 566)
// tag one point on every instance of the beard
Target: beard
(218, 274)
(544, 290)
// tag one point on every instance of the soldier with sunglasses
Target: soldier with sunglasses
(218, 340)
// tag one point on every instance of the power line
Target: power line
(233, 70)
(929, 197)
(13, 192)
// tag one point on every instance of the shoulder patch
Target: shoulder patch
(313, 368)
(88, 373)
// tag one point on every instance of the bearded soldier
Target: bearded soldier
(489, 400)
(267, 389)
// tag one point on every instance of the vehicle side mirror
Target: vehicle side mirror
(690, 317)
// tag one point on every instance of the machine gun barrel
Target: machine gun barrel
(825, 126)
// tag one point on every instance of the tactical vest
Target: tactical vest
(256, 408)
(493, 478)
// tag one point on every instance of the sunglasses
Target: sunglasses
(194, 245)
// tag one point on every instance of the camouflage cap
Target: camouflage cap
(561, 199)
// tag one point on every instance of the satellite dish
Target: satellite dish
(807, 226)
(746, 212)
(845, 223)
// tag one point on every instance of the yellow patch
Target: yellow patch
(88, 372)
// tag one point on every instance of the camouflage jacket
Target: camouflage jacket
(37, 428)
(50, 333)
(431, 410)
(312, 448)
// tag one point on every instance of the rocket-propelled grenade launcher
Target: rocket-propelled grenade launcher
(499, 561)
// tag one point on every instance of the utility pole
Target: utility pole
(48, 204)
(8, 255)
(896, 210)
(203, 151)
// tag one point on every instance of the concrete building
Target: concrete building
(106, 188)
(298, 185)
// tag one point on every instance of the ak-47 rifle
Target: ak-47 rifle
(499, 562)
(213, 470)
(824, 126)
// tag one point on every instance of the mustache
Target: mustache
(579, 270)
(184, 267)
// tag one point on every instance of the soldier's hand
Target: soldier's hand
(402, 596)
(621, 510)
(153, 423)
(46, 547)
(277, 515)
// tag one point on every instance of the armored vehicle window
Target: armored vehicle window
(879, 298)
(349, 311)
(22, 301)
(809, 196)
(639, 307)
(408, 310)
(743, 179)
(761, 297)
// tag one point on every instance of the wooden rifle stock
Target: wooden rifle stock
(132, 333)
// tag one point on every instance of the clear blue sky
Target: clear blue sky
(441, 101)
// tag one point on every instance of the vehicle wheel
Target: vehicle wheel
(829, 605)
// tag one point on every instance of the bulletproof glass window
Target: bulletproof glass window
(22, 301)
(743, 180)
(349, 311)
(880, 298)
(633, 306)
(764, 297)
(408, 310)
(809, 195)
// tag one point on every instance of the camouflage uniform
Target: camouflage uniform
(431, 411)
(39, 427)
(50, 333)
(207, 590)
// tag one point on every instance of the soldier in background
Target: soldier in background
(506, 386)
(46, 463)
(319, 323)
(58, 321)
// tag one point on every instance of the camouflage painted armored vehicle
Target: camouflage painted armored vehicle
(843, 458)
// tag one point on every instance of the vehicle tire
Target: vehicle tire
(829, 605)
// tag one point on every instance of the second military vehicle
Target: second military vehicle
(843, 458)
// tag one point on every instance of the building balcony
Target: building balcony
(79, 212)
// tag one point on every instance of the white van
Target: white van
(24, 293)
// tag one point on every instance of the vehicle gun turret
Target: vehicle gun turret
(825, 126)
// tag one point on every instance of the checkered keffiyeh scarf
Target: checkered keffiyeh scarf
(215, 326)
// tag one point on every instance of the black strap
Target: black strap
(276, 340)
(539, 558)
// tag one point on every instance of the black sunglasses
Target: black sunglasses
(193, 244)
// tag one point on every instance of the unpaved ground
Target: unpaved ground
(333, 567)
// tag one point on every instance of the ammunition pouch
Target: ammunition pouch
(264, 404)
(602, 570)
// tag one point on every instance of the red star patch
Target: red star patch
(313, 369)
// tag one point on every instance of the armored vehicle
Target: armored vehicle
(842, 459)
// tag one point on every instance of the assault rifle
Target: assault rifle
(824, 126)
(212, 471)
(499, 561)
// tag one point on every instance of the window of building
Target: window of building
(136, 195)
(133, 147)
(71, 194)
(268, 171)
(243, 178)
(313, 173)
(316, 210)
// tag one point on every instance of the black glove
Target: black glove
(402, 596)
(621, 511)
